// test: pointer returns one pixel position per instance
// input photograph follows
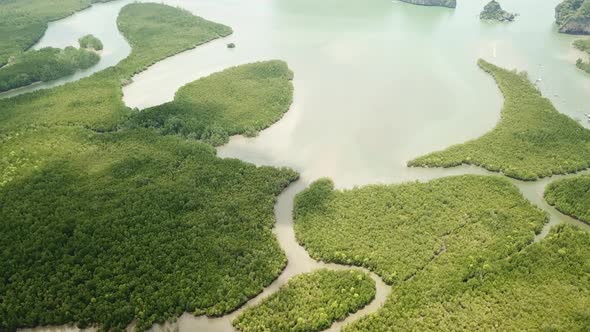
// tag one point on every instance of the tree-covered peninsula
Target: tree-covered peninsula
(310, 302)
(458, 252)
(23, 22)
(44, 65)
(239, 100)
(571, 196)
(531, 141)
(114, 225)
(573, 16)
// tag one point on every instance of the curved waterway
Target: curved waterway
(376, 84)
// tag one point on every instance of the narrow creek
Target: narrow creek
(350, 64)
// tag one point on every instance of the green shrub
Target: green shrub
(310, 302)
(89, 41)
(532, 139)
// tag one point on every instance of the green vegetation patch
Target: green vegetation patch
(584, 46)
(239, 100)
(571, 196)
(310, 302)
(544, 287)
(23, 22)
(95, 102)
(45, 65)
(90, 41)
(134, 225)
(111, 226)
(397, 230)
(532, 139)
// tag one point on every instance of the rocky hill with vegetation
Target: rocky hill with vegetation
(493, 11)
(573, 16)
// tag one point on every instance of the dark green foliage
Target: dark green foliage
(397, 230)
(532, 140)
(135, 225)
(45, 65)
(23, 22)
(130, 225)
(584, 46)
(310, 302)
(239, 100)
(545, 287)
(571, 196)
(89, 41)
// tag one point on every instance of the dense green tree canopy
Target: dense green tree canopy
(309, 302)
(571, 196)
(544, 287)
(239, 100)
(114, 226)
(458, 251)
(584, 46)
(45, 65)
(532, 139)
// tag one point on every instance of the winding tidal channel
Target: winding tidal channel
(376, 84)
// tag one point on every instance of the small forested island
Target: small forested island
(532, 140)
(493, 11)
(573, 16)
(310, 302)
(571, 196)
(440, 3)
(44, 65)
(90, 42)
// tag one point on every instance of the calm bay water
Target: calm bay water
(377, 83)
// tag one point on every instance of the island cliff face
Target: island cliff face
(573, 17)
(493, 11)
(441, 3)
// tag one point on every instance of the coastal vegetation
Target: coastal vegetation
(91, 42)
(458, 251)
(23, 22)
(531, 141)
(238, 100)
(584, 46)
(310, 302)
(493, 11)
(543, 287)
(45, 65)
(114, 226)
(571, 196)
(397, 230)
(573, 16)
